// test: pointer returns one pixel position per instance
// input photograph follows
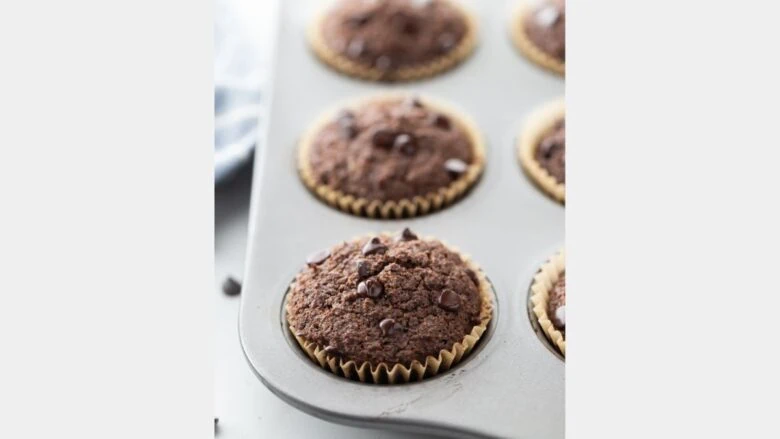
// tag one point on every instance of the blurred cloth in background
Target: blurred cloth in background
(243, 33)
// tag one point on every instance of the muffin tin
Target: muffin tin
(512, 384)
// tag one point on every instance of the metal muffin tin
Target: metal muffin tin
(512, 385)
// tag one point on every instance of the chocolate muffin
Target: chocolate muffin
(551, 151)
(388, 308)
(393, 40)
(548, 298)
(391, 156)
(542, 149)
(539, 31)
(556, 307)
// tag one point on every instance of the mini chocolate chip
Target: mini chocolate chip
(448, 300)
(360, 18)
(413, 102)
(559, 316)
(441, 121)
(349, 131)
(547, 146)
(455, 167)
(389, 326)
(421, 3)
(405, 143)
(383, 138)
(410, 27)
(355, 48)
(374, 245)
(317, 258)
(548, 16)
(363, 269)
(446, 41)
(405, 235)
(383, 63)
(362, 289)
(347, 125)
(374, 288)
(333, 350)
(473, 276)
(231, 287)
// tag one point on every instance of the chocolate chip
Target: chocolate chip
(231, 287)
(356, 48)
(216, 421)
(374, 288)
(317, 258)
(410, 27)
(371, 288)
(360, 19)
(548, 16)
(374, 245)
(421, 3)
(413, 102)
(390, 327)
(383, 63)
(405, 235)
(363, 269)
(383, 138)
(547, 146)
(405, 143)
(446, 41)
(559, 316)
(441, 121)
(347, 125)
(473, 276)
(333, 350)
(455, 167)
(448, 300)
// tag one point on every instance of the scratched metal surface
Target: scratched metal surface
(513, 384)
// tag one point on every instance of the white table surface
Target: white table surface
(246, 408)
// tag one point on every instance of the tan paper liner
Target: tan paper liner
(403, 373)
(526, 46)
(544, 281)
(405, 208)
(537, 124)
(410, 73)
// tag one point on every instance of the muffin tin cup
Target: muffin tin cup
(541, 121)
(405, 208)
(403, 373)
(544, 281)
(526, 46)
(344, 65)
(511, 385)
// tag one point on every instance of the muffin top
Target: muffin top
(556, 307)
(385, 299)
(551, 151)
(546, 27)
(390, 149)
(391, 34)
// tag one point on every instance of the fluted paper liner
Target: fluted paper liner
(359, 70)
(536, 126)
(544, 281)
(404, 373)
(404, 208)
(526, 46)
